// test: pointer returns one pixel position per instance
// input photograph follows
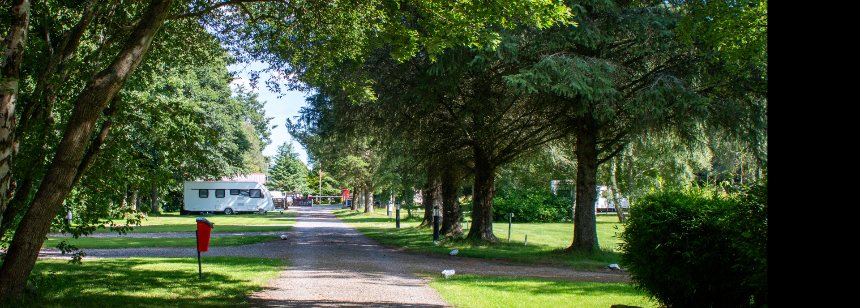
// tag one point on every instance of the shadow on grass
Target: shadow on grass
(148, 282)
(381, 229)
(415, 239)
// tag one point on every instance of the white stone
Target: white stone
(447, 273)
(454, 252)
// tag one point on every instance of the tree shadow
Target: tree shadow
(147, 282)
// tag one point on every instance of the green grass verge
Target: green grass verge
(192, 228)
(241, 219)
(546, 241)
(468, 291)
(130, 242)
(149, 282)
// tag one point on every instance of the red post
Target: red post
(204, 230)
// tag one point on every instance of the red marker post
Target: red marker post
(204, 230)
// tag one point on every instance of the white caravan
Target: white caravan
(226, 197)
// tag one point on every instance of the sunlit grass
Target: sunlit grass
(468, 291)
(149, 282)
(192, 228)
(131, 242)
(239, 219)
(546, 241)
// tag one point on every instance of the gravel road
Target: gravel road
(333, 264)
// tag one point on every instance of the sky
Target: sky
(287, 106)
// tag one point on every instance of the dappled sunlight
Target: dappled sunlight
(150, 282)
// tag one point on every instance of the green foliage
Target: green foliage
(289, 173)
(533, 204)
(750, 220)
(734, 33)
(688, 249)
(330, 186)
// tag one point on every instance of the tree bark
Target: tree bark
(10, 74)
(89, 104)
(584, 218)
(368, 197)
(485, 191)
(154, 207)
(96, 146)
(451, 213)
(431, 196)
(134, 202)
(355, 199)
(616, 200)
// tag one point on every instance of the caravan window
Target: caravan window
(234, 192)
(219, 193)
(243, 192)
(203, 193)
(256, 193)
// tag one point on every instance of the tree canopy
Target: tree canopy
(94, 88)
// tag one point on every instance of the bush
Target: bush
(690, 250)
(531, 205)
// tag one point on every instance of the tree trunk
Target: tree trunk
(616, 200)
(431, 196)
(134, 202)
(355, 199)
(125, 204)
(89, 104)
(392, 200)
(368, 197)
(451, 213)
(584, 218)
(482, 210)
(410, 200)
(10, 75)
(154, 206)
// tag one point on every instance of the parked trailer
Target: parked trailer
(227, 197)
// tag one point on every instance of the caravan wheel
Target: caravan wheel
(228, 211)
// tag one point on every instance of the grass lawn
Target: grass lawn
(130, 242)
(546, 241)
(468, 291)
(149, 282)
(191, 228)
(239, 219)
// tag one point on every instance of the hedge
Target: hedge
(691, 250)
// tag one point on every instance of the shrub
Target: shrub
(531, 205)
(749, 220)
(690, 250)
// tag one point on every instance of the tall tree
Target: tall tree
(624, 72)
(452, 23)
(92, 100)
(289, 173)
(13, 45)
